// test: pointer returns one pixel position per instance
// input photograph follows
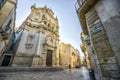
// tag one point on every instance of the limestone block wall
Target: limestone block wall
(93, 61)
(102, 46)
(109, 13)
(64, 55)
(69, 57)
(27, 49)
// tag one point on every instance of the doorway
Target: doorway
(49, 58)
(6, 60)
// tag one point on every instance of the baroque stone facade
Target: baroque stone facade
(100, 20)
(7, 24)
(38, 39)
(69, 57)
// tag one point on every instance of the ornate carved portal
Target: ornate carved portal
(49, 58)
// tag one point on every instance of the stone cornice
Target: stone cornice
(45, 44)
(40, 27)
(43, 21)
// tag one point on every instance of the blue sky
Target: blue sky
(65, 11)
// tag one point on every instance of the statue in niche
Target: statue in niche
(33, 7)
(43, 17)
(30, 40)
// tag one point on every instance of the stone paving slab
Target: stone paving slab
(74, 74)
(30, 69)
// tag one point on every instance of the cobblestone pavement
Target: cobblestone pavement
(74, 74)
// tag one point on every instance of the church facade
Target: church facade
(37, 42)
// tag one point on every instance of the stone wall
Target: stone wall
(69, 57)
(7, 24)
(109, 13)
(102, 46)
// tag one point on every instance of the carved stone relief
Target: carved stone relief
(30, 40)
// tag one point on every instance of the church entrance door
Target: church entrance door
(49, 58)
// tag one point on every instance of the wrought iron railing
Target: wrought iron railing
(78, 4)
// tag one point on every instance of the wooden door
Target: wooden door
(49, 58)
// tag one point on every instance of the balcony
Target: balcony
(83, 48)
(78, 4)
(5, 34)
(84, 37)
(82, 7)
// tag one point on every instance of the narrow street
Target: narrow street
(74, 74)
(59, 40)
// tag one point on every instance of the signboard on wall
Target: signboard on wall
(96, 30)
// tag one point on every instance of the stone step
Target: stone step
(30, 69)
